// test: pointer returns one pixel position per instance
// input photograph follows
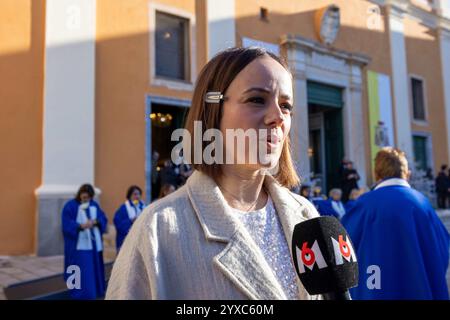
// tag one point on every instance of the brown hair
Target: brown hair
(131, 189)
(217, 76)
(85, 188)
(391, 163)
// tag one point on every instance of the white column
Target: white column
(354, 124)
(221, 25)
(400, 82)
(444, 39)
(69, 112)
(299, 134)
(443, 8)
(69, 92)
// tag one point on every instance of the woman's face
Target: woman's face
(135, 196)
(336, 196)
(85, 197)
(260, 97)
(306, 192)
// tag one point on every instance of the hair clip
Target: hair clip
(213, 97)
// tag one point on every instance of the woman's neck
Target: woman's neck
(242, 189)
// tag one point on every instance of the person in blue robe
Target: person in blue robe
(349, 205)
(332, 206)
(83, 224)
(354, 195)
(127, 214)
(305, 191)
(401, 245)
(324, 208)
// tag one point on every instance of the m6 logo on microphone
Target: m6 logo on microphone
(310, 257)
(343, 249)
(323, 256)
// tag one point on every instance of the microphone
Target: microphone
(324, 258)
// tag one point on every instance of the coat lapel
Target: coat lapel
(241, 260)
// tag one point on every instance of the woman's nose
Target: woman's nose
(274, 117)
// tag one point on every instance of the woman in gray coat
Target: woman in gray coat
(226, 234)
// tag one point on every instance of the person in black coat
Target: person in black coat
(342, 168)
(350, 180)
(442, 187)
(170, 173)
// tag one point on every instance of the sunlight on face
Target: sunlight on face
(260, 97)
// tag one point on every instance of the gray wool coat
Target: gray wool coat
(189, 245)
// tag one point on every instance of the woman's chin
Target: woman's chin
(270, 163)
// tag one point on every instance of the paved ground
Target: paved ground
(15, 269)
(23, 268)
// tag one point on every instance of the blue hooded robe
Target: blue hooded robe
(325, 208)
(123, 223)
(349, 205)
(395, 228)
(90, 262)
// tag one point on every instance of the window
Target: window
(264, 14)
(418, 99)
(420, 152)
(171, 47)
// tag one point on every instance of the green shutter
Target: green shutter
(420, 152)
(325, 95)
(334, 147)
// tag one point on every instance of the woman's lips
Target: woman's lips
(273, 141)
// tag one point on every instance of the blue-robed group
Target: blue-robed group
(83, 224)
(394, 229)
(395, 232)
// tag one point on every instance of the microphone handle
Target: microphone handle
(340, 295)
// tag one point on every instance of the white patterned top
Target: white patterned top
(266, 230)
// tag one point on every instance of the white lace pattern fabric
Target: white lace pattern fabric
(266, 230)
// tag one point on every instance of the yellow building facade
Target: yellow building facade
(79, 80)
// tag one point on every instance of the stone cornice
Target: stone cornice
(400, 8)
(313, 46)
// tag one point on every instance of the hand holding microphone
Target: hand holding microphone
(324, 258)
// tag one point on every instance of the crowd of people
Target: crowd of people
(397, 234)
(168, 177)
(399, 215)
(339, 200)
(84, 223)
(226, 233)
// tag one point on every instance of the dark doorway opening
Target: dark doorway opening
(165, 119)
(326, 134)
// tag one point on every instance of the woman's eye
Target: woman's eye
(286, 106)
(257, 100)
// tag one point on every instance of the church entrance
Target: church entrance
(326, 138)
(164, 116)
